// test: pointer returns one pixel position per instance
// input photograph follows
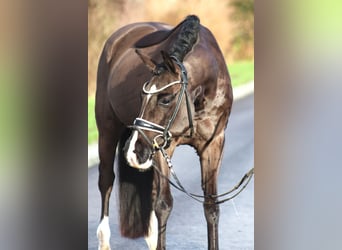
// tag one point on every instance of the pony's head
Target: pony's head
(165, 111)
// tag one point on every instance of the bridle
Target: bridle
(163, 138)
(165, 135)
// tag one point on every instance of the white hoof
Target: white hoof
(103, 234)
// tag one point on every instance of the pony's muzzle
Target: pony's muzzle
(138, 153)
(142, 151)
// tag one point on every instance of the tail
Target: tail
(135, 196)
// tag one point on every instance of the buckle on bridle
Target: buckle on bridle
(164, 144)
(163, 135)
(155, 145)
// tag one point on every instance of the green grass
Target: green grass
(240, 72)
(92, 129)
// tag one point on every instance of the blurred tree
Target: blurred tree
(106, 16)
(243, 40)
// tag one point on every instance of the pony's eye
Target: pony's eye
(165, 99)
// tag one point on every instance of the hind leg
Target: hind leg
(210, 163)
(108, 139)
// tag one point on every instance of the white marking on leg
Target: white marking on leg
(103, 234)
(152, 238)
(132, 157)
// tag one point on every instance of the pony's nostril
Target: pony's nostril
(142, 152)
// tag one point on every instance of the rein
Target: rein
(200, 198)
(163, 133)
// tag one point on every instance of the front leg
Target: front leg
(163, 209)
(212, 214)
(210, 162)
(162, 203)
(106, 179)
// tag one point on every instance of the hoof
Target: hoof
(103, 234)
(104, 247)
(103, 244)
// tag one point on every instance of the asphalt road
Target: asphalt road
(186, 225)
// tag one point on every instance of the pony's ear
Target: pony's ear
(168, 61)
(151, 65)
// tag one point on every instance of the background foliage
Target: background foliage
(231, 21)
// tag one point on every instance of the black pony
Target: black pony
(159, 87)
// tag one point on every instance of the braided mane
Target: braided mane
(186, 37)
